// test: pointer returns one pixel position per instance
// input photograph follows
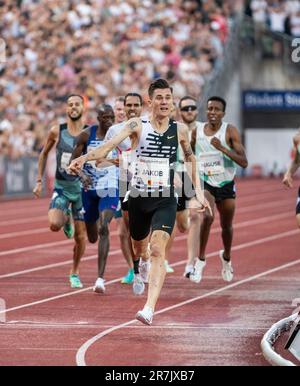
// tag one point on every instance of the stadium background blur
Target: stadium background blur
(244, 51)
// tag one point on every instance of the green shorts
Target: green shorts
(65, 195)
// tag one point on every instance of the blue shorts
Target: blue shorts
(93, 205)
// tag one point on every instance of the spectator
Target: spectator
(101, 49)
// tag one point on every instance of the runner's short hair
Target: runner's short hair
(218, 99)
(133, 94)
(187, 97)
(103, 107)
(156, 84)
(120, 99)
(75, 95)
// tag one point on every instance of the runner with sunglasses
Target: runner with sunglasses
(186, 219)
(189, 217)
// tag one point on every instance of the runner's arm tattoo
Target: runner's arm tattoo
(132, 125)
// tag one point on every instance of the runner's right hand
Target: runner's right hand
(37, 189)
(288, 180)
(76, 165)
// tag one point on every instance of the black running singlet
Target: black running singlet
(154, 159)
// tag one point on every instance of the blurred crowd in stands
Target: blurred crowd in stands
(101, 49)
(281, 16)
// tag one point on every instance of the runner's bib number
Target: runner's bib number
(212, 164)
(152, 172)
(65, 160)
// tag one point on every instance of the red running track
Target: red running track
(211, 323)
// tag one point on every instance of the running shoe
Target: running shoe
(189, 268)
(227, 270)
(99, 287)
(144, 268)
(145, 316)
(138, 285)
(128, 279)
(196, 275)
(169, 269)
(68, 227)
(75, 281)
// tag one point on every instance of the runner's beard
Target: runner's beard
(75, 118)
(189, 121)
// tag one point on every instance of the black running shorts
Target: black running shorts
(185, 192)
(223, 193)
(151, 214)
(298, 203)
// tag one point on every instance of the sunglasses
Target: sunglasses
(188, 108)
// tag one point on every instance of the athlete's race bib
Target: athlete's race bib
(65, 160)
(152, 172)
(212, 163)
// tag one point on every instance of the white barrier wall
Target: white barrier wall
(269, 149)
(17, 177)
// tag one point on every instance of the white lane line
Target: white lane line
(215, 230)
(55, 265)
(254, 208)
(40, 325)
(245, 245)
(41, 246)
(23, 220)
(240, 246)
(23, 233)
(23, 211)
(32, 232)
(34, 247)
(178, 238)
(80, 355)
(245, 223)
(261, 220)
(55, 297)
(240, 209)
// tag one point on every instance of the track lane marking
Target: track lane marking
(214, 230)
(237, 247)
(80, 355)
